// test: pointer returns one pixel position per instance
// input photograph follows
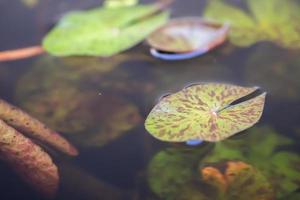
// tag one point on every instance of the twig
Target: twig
(21, 53)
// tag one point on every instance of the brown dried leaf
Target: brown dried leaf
(32, 163)
(34, 128)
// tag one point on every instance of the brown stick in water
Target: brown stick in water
(21, 53)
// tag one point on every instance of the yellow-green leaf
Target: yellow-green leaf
(267, 20)
(204, 112)
(119, 3)
(103, 31)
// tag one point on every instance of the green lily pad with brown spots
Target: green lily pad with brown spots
(205, 112)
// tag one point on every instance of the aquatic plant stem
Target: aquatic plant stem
(21, 53)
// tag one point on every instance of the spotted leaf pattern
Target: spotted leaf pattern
(204, 112)
(33, 164)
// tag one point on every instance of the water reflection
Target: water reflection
(81, 185)
(276, 70)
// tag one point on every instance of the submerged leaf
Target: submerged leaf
(237, 180)
(172, 171)
(261, 145)
(204, 112)
(123, 116)
(174, 174)
(82, 97)
(103, 31)
(34, 128)
(33, 164)
(270, 20)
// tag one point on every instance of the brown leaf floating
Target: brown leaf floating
(32, 163)
(34, 128)
(29, 160)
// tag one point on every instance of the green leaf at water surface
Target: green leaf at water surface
(203, 112)
(103, 31)
(267, 20)
(119, 3)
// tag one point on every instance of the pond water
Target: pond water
(100, 105)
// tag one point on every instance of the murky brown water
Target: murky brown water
(100, 104)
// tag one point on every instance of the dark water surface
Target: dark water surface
(100, 104)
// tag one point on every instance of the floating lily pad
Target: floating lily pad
(204, 112)
(175, 56)
(184, 35)
(257, 147)
(103, 31)
(268, 20)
